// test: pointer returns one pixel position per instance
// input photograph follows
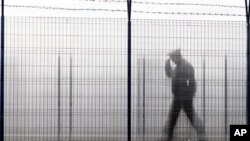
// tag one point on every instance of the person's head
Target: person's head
(175, 55)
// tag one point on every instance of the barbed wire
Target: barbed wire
(62, 8)
(169, 3)
(123, 10)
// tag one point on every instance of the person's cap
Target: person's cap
(176, 52)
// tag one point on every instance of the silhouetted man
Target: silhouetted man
(183, 89)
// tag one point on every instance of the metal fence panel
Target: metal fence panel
(66, 78)
(216, 50)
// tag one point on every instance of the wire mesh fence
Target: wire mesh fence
(66, 78)
(217, 52)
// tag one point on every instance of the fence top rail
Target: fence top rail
(153, 21)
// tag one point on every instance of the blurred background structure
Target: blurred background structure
(66, 78)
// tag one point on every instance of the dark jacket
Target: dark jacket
(183, 80)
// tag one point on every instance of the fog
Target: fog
(50, 62)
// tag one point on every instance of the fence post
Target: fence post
(226, 84)
(248, 61)
(138, 97)
(2, 75)
(204, 93)
(70, 102)
(129, 3)
(59, 101)
(143, 104)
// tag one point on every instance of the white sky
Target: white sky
(10, 11)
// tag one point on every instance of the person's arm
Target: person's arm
(168, 69)
(192, 81)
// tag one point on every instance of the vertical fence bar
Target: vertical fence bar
(143, 102)
(138, 98)
(248, 61)
(129, 69)
(2, 75)
(248, 68)
(70, 102)
(225, 96)
(204, 93)
(59, 101)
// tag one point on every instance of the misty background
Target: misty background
(82, 62)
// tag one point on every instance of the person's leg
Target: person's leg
(194, 119)
(173, 115)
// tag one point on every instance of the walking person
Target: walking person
(183, 89)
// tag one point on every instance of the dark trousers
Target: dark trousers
(187, 106)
